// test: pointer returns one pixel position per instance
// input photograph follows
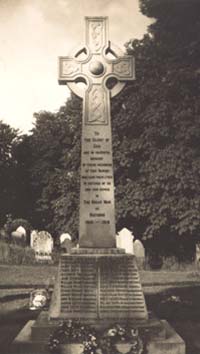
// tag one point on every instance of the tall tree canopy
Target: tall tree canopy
(8, 137)
(157, 129)
(55, 143)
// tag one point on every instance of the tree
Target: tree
(22, 156)
(54, 140)
(156, 128)
(8, 136)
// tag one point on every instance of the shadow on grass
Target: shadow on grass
(181, 307)
(10, 325)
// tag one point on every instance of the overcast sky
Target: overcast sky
(33, 33)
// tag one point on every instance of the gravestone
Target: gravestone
(197, 258)
(65, 236)
(139, 249)
(42, 243)
(124, 239)
(139, 252)
(22, 230)
(18, 238)
(33, 236)
(66, 243)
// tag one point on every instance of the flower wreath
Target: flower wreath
(107, 342)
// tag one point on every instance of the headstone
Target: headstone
(33, 236)
(197, 253)
(139, 252)
(18, 238)
(64, 237)
(139, 249)
(42, 243)
(124, 239)
(21, 230)
(66, 243)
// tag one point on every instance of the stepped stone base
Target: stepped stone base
(27, 341)
(44, 326)
(99, 290)
(98, 285)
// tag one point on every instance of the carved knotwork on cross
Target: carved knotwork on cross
(93, 66)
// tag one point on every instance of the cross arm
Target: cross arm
(124, 68)
(69, 70)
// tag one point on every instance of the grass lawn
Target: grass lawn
(12, 275)
(163, 277)
(44, 275)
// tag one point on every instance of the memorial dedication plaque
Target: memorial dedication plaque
(97, 221)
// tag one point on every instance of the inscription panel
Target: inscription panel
(78, 287)
(97, 220)
(120, 290)
(101, 287)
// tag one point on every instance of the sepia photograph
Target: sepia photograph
(99, 177)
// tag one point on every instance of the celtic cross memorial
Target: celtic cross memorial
(97, 281)
(96, 64)
(98, 284)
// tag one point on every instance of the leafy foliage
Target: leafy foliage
(156, 130)
(55, 167)
(7, 167)
(12, 225)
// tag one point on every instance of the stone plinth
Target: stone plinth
(98, 284)
(160, 336)
(44, 326)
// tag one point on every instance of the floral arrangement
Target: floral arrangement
(39, 298)
(72, 332)
(93, 342)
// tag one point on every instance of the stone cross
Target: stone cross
(103, 68)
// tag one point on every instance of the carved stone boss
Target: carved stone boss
(95, 65)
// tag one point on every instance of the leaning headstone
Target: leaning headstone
(124, 239)
(139, 249)
(198, 253)
(139, 252)
(43, 245)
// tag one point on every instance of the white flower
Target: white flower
(39, 301)
(134, 332)
(112, 332)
